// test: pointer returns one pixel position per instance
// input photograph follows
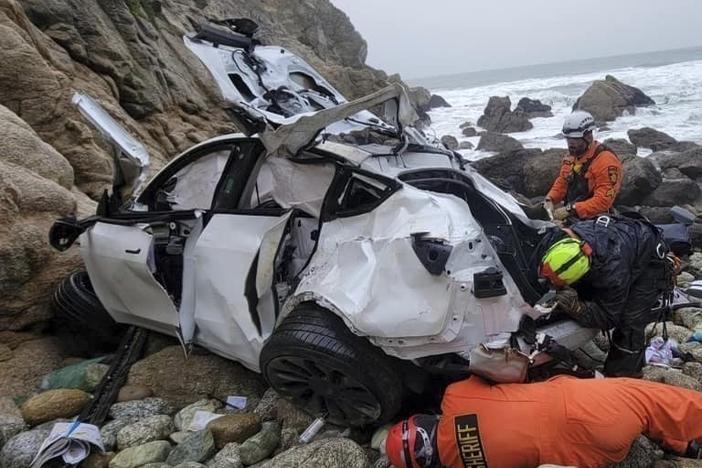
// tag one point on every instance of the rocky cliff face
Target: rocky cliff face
(130, 56)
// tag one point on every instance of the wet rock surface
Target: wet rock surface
(609, 98)
(499, 117)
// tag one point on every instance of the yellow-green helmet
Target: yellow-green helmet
(565, 262)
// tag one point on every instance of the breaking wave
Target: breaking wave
(676, 88)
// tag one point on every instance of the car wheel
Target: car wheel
(313, 359)
(78, 312)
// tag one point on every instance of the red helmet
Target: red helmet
(412, 443)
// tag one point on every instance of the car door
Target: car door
(136, 259)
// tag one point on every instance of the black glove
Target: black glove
(567, 300)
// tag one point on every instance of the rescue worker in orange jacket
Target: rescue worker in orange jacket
(563, 421)
(590, 175)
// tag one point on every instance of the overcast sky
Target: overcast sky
(419, 38)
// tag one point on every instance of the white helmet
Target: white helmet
(577, 124)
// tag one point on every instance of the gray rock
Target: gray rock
(642, 454)
(450, 142)
(465, 145)
(382, 462)
(291, 416)
(156, 465)
(676, 332)
(267, 408)
(694, 370)
(437, 101)
(533, 108)
(185, 416)
(197, 447)
(695, 263)
(690, 317)
(469, 132)
(327, 453)
(648, 137)
(498, 117)
(465, 124)
(257, 447)
(609, 98)
(640, 179)
(149, 429)
(11, 422)
(689, 162)
(19, 451)
(673, 192)
(621, 147)
(228, 457)
(151, 452)
(137, 409)
(289, 437)
(109, 431)
(684, 279)
(189, 465)
(499, 143)
(671, 377)
(178, 437)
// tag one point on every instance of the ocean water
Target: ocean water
(672, 79)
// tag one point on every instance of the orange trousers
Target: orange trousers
(563, 421)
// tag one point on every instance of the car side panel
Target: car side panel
(119, 260)
(224, 254)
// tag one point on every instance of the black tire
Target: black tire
(78, 312)
(313, 359)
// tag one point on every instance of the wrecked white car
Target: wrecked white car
(345, 273)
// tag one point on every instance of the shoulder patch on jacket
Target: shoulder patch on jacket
(470, 447)
(613, 172)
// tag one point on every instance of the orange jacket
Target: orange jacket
(604, 177)
(563, 421)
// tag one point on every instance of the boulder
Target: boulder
(465, 145)
(648, 137)
(197, 377)
(676, 332)
(19, 451)
(257, 447)
(437, 101)
(30, 361)
(657, 214)
(138, 409)
(689, 317)
(228, 457)
(54, 404)
(642, 454)
(450, 142)
(673, 192)
(640, 179)
(687, 162)
(327, 453)
(671, 377)
(133, 457)
(11, 422)
(621, 147)
(82, 375)
(609, 98)
(197, 447)
(533, 108)
(267, 408)
(540, 171)
(498, 143)
(108, 432)
(469, 132)
(498, 117)
(185, 416)
(234, 428)
(133, 392)
(149, 429)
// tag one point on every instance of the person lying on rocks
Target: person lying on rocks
(609, 274)
(590, 174)
(561, 421)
